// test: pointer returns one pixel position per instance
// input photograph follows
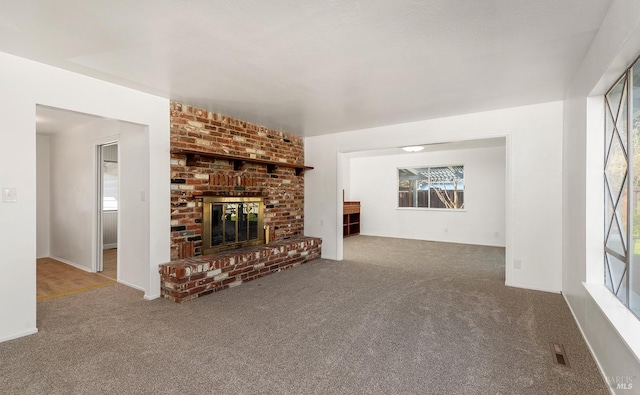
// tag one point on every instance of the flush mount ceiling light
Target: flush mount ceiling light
(413, 148)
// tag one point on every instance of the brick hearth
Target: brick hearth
(190, 278)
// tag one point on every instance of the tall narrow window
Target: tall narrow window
(622, 189)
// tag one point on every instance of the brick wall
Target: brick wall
(197, 129)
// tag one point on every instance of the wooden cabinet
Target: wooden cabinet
(350, 219)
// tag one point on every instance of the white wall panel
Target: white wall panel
(24, 85)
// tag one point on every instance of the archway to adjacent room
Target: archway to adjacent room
(72, 147)
(369, 180)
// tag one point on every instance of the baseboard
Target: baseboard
(488, 243)
(110, 246)
(553, 291)
(151, 297)
(593, 355)
(71, 264)
(18, 335)
(131, 285)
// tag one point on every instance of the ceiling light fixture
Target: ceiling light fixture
(413, 148)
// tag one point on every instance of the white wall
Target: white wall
(24, 85)
(73, 192)
(533, 226)
(42, 195)
(74, 202)
(603, 321)
(374, 182)
(133, 210)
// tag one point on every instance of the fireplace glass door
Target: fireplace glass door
(231, 223)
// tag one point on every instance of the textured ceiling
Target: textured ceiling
(314, 67)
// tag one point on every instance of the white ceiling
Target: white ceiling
(444, 146)
(310, 67)
(51, 120)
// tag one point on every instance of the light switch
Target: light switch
(9, 195)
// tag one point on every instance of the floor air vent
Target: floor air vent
(559, 356)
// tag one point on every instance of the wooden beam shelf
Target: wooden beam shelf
(194, 156)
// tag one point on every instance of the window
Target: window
(431, 187)
(622, 189)
(110, 186)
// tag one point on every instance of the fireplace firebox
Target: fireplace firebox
(231, 222)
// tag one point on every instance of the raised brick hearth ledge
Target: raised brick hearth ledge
(190, 278)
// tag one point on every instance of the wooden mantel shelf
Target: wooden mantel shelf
(238, 161)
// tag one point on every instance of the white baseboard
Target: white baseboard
(72, 264)
(130, 285)
(151, 297)
(18, 335)
(514, 285)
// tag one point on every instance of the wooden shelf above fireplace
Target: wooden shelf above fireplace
(193, 156)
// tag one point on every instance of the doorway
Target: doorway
(108, 197)
(70, 199)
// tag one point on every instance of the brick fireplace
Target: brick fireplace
(237, 192)
(247, 160)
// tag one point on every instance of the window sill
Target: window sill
(623, 320)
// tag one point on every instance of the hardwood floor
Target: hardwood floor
(110, 263)
(54, 278)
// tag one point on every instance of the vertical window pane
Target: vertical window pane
(634, 292)
(614, 98)
(621, 120)
(616, 225)
(616, 167)
(421, 188)
(447, 184)
(110, 186)
(608, 278)
(620, 188)
(616, 277)
(405, 193)
(634, 264)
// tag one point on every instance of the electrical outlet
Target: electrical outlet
(9, 195)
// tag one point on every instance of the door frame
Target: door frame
(97, 244)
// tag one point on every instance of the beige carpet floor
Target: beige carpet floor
(395, 317)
